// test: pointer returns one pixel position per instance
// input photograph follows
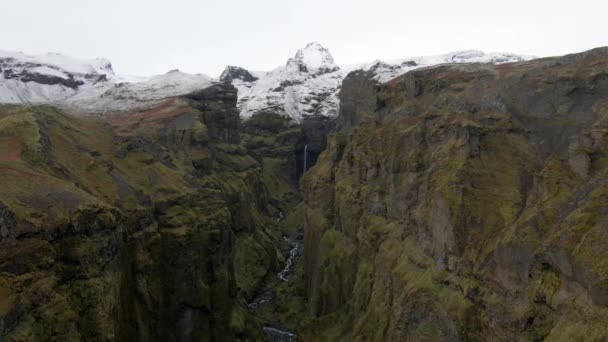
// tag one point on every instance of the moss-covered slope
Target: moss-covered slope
(464, 202)
(150, 226)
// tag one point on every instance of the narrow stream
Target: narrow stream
(296, 250)
(273, 333)
(278, 335)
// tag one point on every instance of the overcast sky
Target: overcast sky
(144, 37)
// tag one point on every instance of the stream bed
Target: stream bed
(267, 298)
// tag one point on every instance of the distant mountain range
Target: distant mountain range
(308, 84)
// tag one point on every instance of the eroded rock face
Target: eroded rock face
(273, 135)
(357, 99)
(132, 233)
(312, 141)
(464, 202)
(218, 106)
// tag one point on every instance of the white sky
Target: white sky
(144, 37)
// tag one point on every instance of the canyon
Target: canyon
(458, 198)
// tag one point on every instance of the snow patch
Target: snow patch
(65, 63)
(136, 93)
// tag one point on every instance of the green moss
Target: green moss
(274, 179)
(7, 301)
(425, 204)
(252, 263)
(21, 124)
(182, 235)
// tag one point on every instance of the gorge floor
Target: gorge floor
(270, 305)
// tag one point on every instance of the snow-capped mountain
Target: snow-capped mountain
(306, 85)
(47, 78)
(310, 82)
(86, 85)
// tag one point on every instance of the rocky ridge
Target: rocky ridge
(307, 85)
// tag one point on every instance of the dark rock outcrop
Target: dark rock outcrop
(312, 142)
(232, 73)
(218, 106)
(26, 76)
(358, 99)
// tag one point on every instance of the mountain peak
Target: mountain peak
(234, 72)
(314, 57)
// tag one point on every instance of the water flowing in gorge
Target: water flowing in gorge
(274, 331)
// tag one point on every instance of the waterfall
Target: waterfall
(305, 156)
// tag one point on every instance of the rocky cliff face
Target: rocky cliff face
(156, 227)
(464, 202)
